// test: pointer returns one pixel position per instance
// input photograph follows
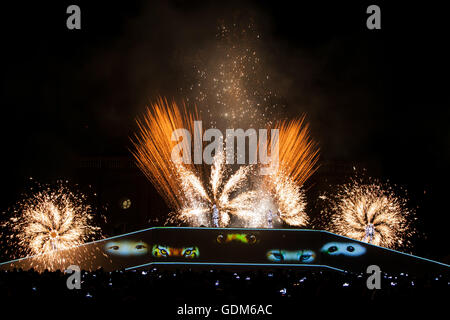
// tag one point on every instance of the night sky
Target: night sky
(378, 97)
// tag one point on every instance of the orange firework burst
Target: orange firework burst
(370, 212)
(298, 153)
(298, 156)
(192, 197)
(49, 222)
(181, 184)
(154, 144)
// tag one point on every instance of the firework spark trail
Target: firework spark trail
(290, 199)
(153, 147)
(192, 186)
(231, 84)
(298, 153)
(239, 206)
(234, 183)
(358, 204)
(181, 184)
(192, 198)
(298, 156)
(49, 222)
(217, 172)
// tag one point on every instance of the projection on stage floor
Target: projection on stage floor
(189, 252)
(292, 256)
(350, 249)
(126, 248)
(213, 247)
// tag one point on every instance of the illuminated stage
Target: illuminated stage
(234, 247)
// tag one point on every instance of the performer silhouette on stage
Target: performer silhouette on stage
(370, 232)
(215, 216)
(269, 219)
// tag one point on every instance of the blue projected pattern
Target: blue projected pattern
(350, 249)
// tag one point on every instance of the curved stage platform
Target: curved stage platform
(231, 247)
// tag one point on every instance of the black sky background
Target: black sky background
(372, 96)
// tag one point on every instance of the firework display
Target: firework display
(254, 159)
(230, 84)
(154, 145)
(370, 212)
(217, 196)
(298, 156)
(230, 87)
(48, 222)
(226, 195)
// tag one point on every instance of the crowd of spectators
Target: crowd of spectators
(293, 289)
